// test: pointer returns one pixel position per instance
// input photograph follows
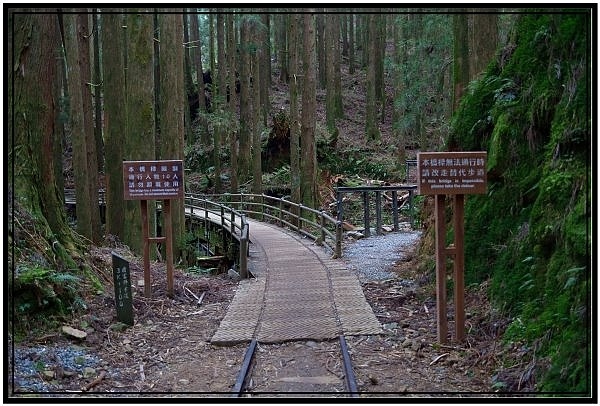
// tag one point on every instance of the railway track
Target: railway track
(245, 387)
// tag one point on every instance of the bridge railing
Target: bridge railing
(378, 191)
(312, 223)
(229, 219)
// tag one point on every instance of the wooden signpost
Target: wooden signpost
(154, 180)
(457, 174)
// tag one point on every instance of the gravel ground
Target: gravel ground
(372, 257)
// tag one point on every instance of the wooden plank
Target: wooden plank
(459, 267)
(440, 267)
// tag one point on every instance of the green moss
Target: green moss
(530, 234)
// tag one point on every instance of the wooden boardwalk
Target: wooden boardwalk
(299, 292)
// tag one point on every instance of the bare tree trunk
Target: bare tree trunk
(379, 48)
(233, 133)
(295, 22)
(330, 56)
(257, 85)
(219, 129)
(308, 151)
(245, 103)
(211, 48)
(113, 64)
(484, 39)
(264, 59)
(371, 127)
(321, 50)
(171, 108)
(97, 93)
(85, 204)
(34, 45)
(337, 79)
(84, 35)
(351, 44)
(281, 40)
(197, 47)
(139, 135)
(461, 57)
(344, 25)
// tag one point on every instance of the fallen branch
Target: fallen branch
(199, 299)
(436, 359)
(94, 382)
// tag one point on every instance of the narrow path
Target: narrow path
(298, 293)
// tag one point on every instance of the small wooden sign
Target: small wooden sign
(451, 173)
(123, 299)
(153, 180)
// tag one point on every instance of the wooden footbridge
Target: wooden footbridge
(293, 286)
(300, 289)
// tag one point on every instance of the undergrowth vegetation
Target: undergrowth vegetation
(530, 235)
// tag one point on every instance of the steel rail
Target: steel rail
(348, 371)
(243, 375)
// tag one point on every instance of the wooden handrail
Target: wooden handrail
(309, 222)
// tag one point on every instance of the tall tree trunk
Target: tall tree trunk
(257, 84)
(295, 24)
(379, 58)
(330, 56)
(34, 45)
(196, 45)
(344, 25)
(282, 21)
(187, 33)
(398, 58)
(171, 84)
(113, 65)
(351, 44)
(337, 78)
(484, 39)
(321, 49)
(211, 42)
(371, 125)
(97, 93)
(264, 59)
(366, 43)
(309, 102)
(139, 135)
(245, 102)
(233, 103)
(461, 58)
(84, 35)
(85, 204)
(221, 79)
(60, 127)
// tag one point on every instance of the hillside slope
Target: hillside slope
(531, 233)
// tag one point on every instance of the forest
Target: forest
(294, 102)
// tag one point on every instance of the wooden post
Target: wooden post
(340, 206)
(169, 245)
(378, 212)
(395, 208)
(459, 267)
(338, 239)
(440, 266)
(243, 255)
(366, 214)
(146, 250)
(411, 209)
